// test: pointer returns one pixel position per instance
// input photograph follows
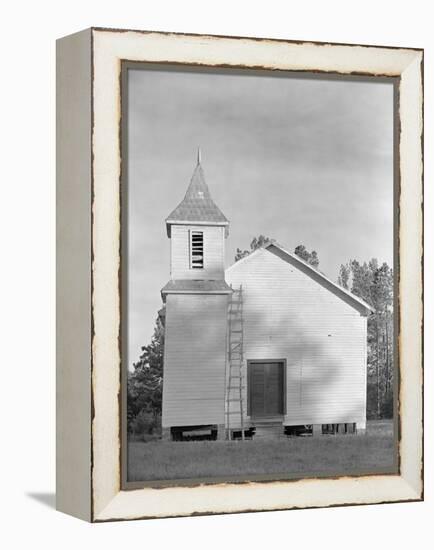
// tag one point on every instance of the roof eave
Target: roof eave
(174, 291)
(165, 293)
(361, 303)
(170, 222)
(325, 278)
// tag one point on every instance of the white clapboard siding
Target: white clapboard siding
(214, 247)
(289, 315)
(194, 359)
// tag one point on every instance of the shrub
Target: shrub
(144, 422)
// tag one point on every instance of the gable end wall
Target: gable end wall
(287, 314)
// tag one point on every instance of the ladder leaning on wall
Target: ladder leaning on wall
(235, 379)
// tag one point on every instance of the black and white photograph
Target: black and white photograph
(258, 307)
(218, 249)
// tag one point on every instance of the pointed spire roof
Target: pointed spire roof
(197, 206)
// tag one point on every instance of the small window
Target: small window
(196, 249)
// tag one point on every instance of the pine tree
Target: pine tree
(374, 284)
(344, 276)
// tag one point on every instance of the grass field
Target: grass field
(295, 457)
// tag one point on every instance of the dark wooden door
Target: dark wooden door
(266, 389)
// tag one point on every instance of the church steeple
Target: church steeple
(197, 230)
(197, 207)
(196, 320)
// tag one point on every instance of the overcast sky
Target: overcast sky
(303, 161)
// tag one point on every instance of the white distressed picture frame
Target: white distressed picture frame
(88, 263)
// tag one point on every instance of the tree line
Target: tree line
(374, 284)
(368, 280)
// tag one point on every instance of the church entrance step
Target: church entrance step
(268, 430)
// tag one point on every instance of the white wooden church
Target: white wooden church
(268, 346)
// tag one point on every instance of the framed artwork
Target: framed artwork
(239, 267)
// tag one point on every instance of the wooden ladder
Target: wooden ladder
(235, 379)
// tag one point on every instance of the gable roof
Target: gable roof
(293, 259)
(197, 206)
